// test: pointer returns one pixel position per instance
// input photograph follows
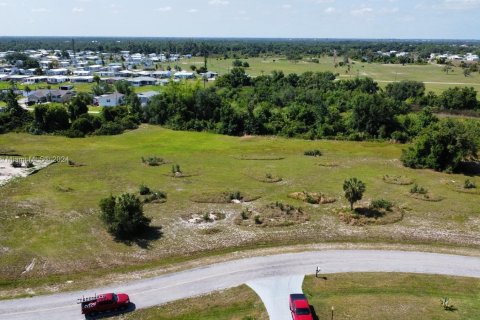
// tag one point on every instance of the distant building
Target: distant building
(46, 95)
(142, 81)
(184, 75)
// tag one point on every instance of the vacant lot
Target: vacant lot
(50, 220)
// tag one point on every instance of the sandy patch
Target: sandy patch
(8, 173)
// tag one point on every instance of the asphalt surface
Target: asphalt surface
(154, 291)
(275, 292)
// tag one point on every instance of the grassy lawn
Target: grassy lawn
(435, 79)
(368, 296)
(234, 304)
(52, 216)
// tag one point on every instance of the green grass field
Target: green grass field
(435, 79)
(52, 216)
(360, 296)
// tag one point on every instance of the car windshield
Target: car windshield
(302, 311)
(114, 297)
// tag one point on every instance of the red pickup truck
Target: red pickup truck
(300, 307)
(104, 302)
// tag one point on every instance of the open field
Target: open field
(362, 296)
(51, 218)
(435, 79)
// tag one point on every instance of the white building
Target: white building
(110, 100)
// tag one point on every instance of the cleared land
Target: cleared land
(363, 296)
(51, 218)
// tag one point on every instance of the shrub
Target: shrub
(313, 153)
(73, 133)
(154, 196)
(153, 161)
(381, 204)
(258, 220)
(236, 195)
(30, 164)
(123, 216)
(109, 129)
(16, 164)
(469, 184)
(144, 190)
(419, 190)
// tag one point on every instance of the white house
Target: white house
(34, 80)
(57, 72)
(162, 74)
(142, 81)
(57, 79)
(110, 100)
(82, 73)
(81, 79)
(146, 96)
(184, 75)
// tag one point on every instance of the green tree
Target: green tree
(354, 190)
(403, 90)
(441, 146)
(78, 105)
(459, 99)
(123, 216)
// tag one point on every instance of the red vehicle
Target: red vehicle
(299, 307)
(104, 302)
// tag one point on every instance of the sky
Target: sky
(393, 19)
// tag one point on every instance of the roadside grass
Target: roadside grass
(64, 234)
(434, 77)
(360, 296)
(395, 296)
(239, 303)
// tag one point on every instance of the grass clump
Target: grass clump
(468, 184)
(153, 161)
(381, 204)
(156, 196)
(400, 180)
(16, 164)
(416, 189)
(144, 190)
(224, 197)
(312, 197)
(275, 214)
(312, 153)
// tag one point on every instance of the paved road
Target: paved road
(275, 293)
(154, 291)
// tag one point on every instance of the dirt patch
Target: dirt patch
(312, 197)
(272, 215)
(328, 164)
(426, 197)
(22, 168)
(224, 197)
(267, 177)
(204, 217)
(369, 216)
(399, 180)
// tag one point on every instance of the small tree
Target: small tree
(123, 215)
(354, 190)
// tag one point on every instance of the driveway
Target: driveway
(149, 292)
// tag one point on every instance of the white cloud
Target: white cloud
(164, 9)
(389, 10)
(218, 2)
(78, 10)
(287, 6)
(361, 11)
(40, 10)
(330, 10)
(325, 1)
(192, 11)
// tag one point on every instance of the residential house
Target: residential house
(80, 79)
(162, 74)
(57, 72)
(109, 100)
(184, 75)
(46, 95)
(57, 79)
(146, 96)
(142, 81)
(34, 80)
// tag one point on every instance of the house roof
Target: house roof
(115, 95)
(143, 79)
(148, 94)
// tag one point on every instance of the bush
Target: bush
(30, 164)
(16, 164)
(109, 129)
(123, 216)
(236, 195)
(469, 184)
(73, 133)
(144, 190)
(154, 196)
(153, 161)
(418, 190)
(313, 153)
(381, 204)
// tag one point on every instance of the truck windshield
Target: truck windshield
(303, 311)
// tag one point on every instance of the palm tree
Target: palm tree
(354, 190)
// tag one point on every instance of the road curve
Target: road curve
(154, 291)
